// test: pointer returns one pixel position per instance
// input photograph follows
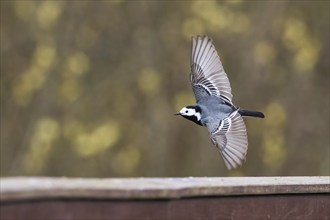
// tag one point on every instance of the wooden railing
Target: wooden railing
(166, 198)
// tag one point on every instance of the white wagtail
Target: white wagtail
(214, 108)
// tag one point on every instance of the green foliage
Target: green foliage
(90, 88)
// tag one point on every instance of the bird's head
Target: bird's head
(192, 113)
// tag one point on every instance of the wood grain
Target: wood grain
(154, 188)
(165, 198)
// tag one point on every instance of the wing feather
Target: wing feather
(231, 140)
(207, 72)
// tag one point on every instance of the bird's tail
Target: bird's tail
(256, 114)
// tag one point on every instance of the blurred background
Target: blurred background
(88, 89)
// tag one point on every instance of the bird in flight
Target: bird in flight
(214, 108)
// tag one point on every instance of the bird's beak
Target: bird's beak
(177, 113)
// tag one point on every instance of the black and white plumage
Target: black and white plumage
(215, 108)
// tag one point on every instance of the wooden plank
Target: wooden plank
(19, 188)
(293, 206)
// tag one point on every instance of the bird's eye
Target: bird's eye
(186, 111)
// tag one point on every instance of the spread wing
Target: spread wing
(207, 74)
(231, 139)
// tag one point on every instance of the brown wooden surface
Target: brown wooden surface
(169, 198)
(154, 188)
(297, 206)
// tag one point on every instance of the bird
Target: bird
(214, 108)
